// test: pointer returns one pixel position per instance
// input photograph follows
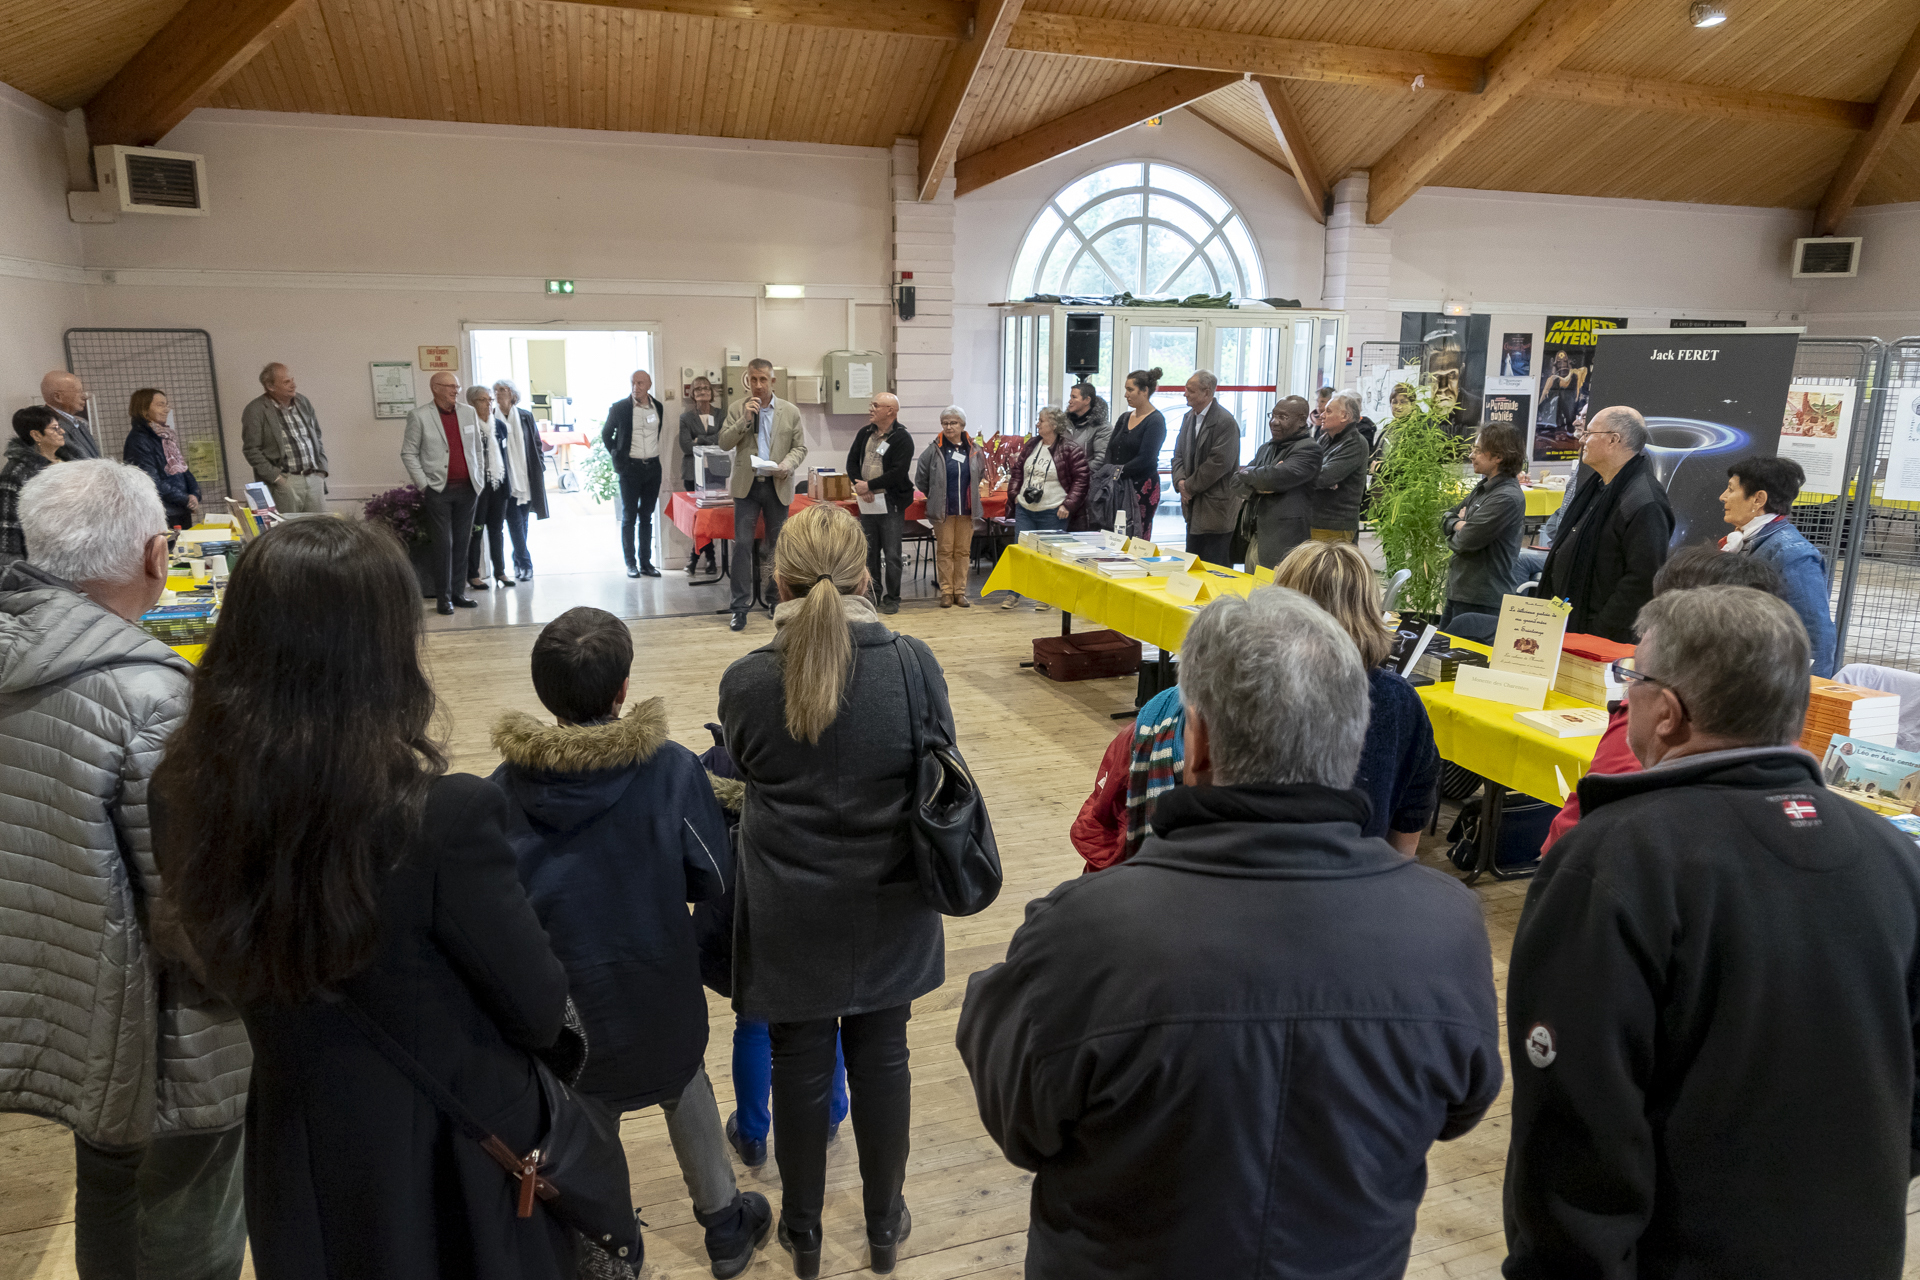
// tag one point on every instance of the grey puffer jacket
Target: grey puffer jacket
(99, 1029)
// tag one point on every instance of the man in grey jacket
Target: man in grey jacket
(280, 436)
(1205, 456)
(1343, 471)
(66, 395)
(103, 1026)
(448, 458)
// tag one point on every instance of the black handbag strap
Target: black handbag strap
(919, 700)
(409, 1066)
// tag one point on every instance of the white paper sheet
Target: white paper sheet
(875, 504)
(1818, 424)
(860, 380)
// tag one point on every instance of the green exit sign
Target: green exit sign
(559, 288)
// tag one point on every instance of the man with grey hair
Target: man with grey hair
(1239, 1045)
(66, 395)
(1206, 456)
(1345, 440)
(280, 437)
(103, 1026)
(1614, 535)
(1712, 1003)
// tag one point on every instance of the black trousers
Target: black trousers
(1214, 548)
(171, 1210)
(878, 1086)
(639, 491)
(883, 545)
(489, 521)
(449, 513)
(762, 504)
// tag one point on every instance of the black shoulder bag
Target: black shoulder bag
(579, 1170)
(954, 855)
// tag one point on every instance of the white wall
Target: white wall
(990, 223)
(42, 289)
(334, 242)
(1884, 300)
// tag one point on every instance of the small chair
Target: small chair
(1394, 584)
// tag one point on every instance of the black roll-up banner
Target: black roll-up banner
(1710, 398)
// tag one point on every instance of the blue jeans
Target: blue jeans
(1047, 521)
(753, 1080)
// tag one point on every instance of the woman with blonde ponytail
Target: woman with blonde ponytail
(832, 934)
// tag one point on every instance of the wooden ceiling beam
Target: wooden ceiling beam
(1531, 52)
(938, 19)
(963, 90)
(1702, 100)
(1199, 112)
(1292, 137)
(1897, 98)
(1111, 114)
(1167, 46)
(181, 68)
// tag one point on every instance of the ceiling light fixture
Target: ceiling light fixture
(786, 291)
(1153, 122)
(1702, 14)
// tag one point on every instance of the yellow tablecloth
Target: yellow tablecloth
(1484, 737)
(1136, 607)
(1810, 498)
(191, 652)
(1543, 502)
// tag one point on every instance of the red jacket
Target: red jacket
(1099, 834)
(1071, 466)
(1613, 755)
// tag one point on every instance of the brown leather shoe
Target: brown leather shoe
(946, 602)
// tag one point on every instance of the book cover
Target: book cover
(1879, 777)
(1527, 641)
(1566, 722)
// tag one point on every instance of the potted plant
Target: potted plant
(599, 481)
(1418, 482)
(401, 510)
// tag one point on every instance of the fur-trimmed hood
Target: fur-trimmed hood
(566, 776)
(582, 748)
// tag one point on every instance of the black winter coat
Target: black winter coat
(616, 830)
(350, 1171)
(529, 428)
(1229, 1055)
(1608, 549)
(896, 465)
(831, 920)
(1279, 489)
(144, 450)
(1712, 1007)
(1342, 481)
(617, 433)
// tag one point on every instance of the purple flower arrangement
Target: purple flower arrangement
(399, 510)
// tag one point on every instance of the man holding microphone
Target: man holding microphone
(766, 427)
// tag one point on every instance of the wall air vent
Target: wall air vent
(1826, 258)
(144, 180)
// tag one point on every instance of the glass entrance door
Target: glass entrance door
(1246, 359)
(1175, 350)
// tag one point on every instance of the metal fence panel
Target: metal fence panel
(115, 363)
(1879, 607)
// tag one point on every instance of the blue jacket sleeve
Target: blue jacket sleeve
(1803, 574)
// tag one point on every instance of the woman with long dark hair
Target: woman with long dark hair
(1135, 444)
(318, 855)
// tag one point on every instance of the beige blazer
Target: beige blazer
(742, 435)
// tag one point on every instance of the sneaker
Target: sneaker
(735, 1233)
(752, 1151)
(1009, 602)
(1040, 606)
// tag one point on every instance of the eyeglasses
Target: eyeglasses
(1627, 671)
(1584, 434)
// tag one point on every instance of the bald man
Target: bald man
(632, 437)
(443, 451)
(67, 397)
(881, 462)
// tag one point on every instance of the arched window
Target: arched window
(1143, 228)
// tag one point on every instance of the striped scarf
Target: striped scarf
(170, 445)
(1159, 755)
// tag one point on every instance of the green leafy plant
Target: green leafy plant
(597, 478)
(1418, 482)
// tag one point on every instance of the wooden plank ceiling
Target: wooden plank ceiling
(1759, 111)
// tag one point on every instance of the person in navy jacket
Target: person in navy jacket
(154, 447)
(615, 830)
(1758, 502)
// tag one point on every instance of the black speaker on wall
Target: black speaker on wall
(1083, 345)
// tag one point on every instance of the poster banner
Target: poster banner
(1815, 431)
(1504, 409)
(1516, 355)
(1454, 354)
(1903, 450)
(1566, 364)
(1710, 398)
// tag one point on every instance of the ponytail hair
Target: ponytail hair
(1147, 380)
(821, 556)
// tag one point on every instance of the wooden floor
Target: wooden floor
(1034, 745)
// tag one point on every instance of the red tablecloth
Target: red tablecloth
(558, 438)
(715, 524)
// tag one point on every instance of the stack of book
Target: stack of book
(1079, 552)
(1442, 666)
(1849, 711)
(1047, 544)
(1586, 669)
(187, 622)
(1159, 566)
(1113, 565)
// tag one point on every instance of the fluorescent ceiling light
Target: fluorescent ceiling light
(786, 291)
(1702, 14)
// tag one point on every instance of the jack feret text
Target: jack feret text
(1685, 353)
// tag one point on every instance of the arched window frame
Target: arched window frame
(1030, 268)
